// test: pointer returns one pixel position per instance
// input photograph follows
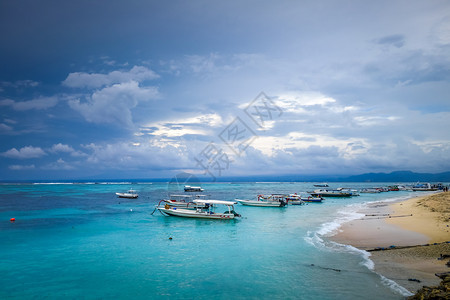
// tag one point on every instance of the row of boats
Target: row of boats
(196, 206)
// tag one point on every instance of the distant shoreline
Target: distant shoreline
(416, 221)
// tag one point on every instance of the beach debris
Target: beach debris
(443, 256)
(414, 279)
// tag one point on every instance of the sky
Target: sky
(151, 89)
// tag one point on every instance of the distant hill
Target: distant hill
(398, 176)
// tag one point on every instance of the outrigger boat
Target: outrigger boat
(204, 209)
(274, 200)
(131, 194)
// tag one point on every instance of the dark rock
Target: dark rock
(442, 291)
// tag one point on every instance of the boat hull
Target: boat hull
(195, 214)
(260, 203)
(126, 195)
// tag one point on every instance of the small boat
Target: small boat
(131, 194)
(312, 199)
(182, 200)
(205, 209)
(330, 193)
(294, 199)
(179, 200)
(265, 201)
(370, 191)
(321, 185)
(188, 188)
(424, 187)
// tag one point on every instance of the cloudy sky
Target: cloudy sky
(145, 89)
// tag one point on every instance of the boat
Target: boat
(188, 188)
(294, 199)
(179, 200)
(182, 200)
(321, 185)
(424, 187)
(205, 209)
(131, 194)
(274, 200)
(370, 191)
(330, 193)
(312, 199)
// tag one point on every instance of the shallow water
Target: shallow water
(79, 240)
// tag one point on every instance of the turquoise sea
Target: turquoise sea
(79, 241)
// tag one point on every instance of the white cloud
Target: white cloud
(61, 148)
(21, 167)
(4, 127)
(146, 154)
(24, 153)
(113, 104)
(97, 80)
(38, 104)
(198, 125)
(60, 164)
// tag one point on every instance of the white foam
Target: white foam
(395, 286)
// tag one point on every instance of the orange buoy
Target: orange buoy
(12, 219)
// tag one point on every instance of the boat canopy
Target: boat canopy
(201, 201)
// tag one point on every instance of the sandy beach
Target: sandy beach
(422, 220)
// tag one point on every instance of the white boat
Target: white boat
(131, 194)
(330, 193)
(321, 185)
(182, 200)
(179, 201)
(312, 199)
(205, 209)
(188, 188)
(370, 191)
(294, 199)
(424, 187)
(265, 201)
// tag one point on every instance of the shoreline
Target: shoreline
(419, 221)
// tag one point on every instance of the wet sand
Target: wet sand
(416, 221)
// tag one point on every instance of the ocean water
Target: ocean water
(77, 241)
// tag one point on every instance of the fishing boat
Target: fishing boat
(131, 194)
(424, 187)
(274, 200)
(179, 201)
(312, 199)
(294, 199)
(188, 188)
(330, 193)
(370, 191)
(205, 209)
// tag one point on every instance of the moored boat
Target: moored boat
(330, 193)
(131, 194)
(273, 200)
(188, 188)
(424, 187)
(205, 209)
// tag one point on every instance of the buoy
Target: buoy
(170, 238)
(131, 209)
(12, 219)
